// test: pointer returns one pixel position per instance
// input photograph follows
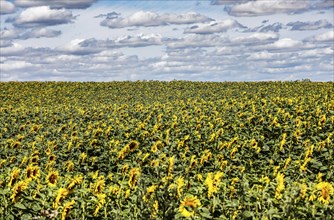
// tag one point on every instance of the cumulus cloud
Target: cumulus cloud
(75, 4)
(77, 48)
(42, 16)
(16, 65)
(24, 34)
(256, 39)
(324, 37)
(140, 40)
(229, 2)
(11, 49)
(147, 19)
(257, 8)
(250, 8)
(6, 7)
(214, 40)
(9, 33)
(214, 27)
(286, 45)
(39, 33)
(310, 25)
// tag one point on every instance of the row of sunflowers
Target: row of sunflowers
(166, 150)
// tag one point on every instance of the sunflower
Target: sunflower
(326, 190)
(133, 145)
(280, 185)
(14, 176)
(154, 148)
(180, 184)
(52, 158)
(188, 206)
(193, 162)
(69, 166)
(99, 186)
(52, 177)
(67, 207)
(18, 189)
(155, 209)
(77, 180)
(150, 190)
(170, 166)
(154, 163)
(61, 194)
(83, 157)
(32, 172)
(133, 177)
(100, 202)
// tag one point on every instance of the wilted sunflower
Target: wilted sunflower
(188, 206)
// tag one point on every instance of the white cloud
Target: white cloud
(29, 33)
(256, 39)
(214, 27)
(6, 7)
(75, 47)
(73, 4)
(229, 2)
(16, 65)
(9, 33)
(12, 50)
(147, 19)
(140, 40)
(324, 37)
(259, 7)
(42, 16)
(40, 32)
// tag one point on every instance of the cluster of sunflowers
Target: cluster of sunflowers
(166, 150)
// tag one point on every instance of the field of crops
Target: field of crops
(166, 150)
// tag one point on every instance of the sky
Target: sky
(207, 40)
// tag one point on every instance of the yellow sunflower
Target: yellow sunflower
(188, 206)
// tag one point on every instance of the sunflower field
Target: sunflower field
(166, 150)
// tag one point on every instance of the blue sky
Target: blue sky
(218, 40)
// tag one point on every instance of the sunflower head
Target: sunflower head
(52, 177)
(133, 145)
(188, 206)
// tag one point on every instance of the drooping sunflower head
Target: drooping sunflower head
(188, 206)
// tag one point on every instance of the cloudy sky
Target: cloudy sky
(217, 40)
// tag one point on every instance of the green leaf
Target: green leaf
(9, 217)
(247, 214)
(19, 206)
(26, 217)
